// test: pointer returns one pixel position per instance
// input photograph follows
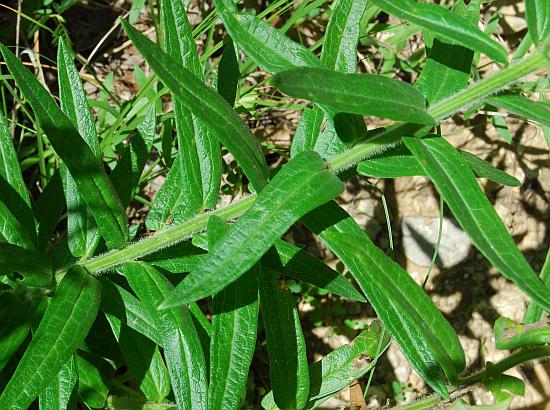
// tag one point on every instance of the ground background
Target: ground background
(469, 292)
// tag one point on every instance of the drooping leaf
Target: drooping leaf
(511, 335)
(35, 269)
(406, 311)
(15, 323)
(364, 94)
(88, 172)
(457, 185)
(400, 162)
(63, 327)
(537, 14)
(60, 393)
(182, 347)
(449, 64)
(117, 303)
(270, 49)
(445, 24)
(523, 106)
(234, 323)
(288, 370)
(302, 185)
(341, 36)
(208, 106)
(15, 197)
(338, 369)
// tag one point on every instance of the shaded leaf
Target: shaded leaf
(35, 269)
(15, 323)
(60, 393)
(228, 72)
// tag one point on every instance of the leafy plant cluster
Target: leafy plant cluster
(172, 320)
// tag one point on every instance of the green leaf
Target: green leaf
(182, 257)
(208, 106)
(537, 14)
(342, 35)
(88, 172)
(14, 193)
(534, 311)
(288, 370)
(448, 67)
(119, 304)
(144, 361)
(458, 187)
(228, 72)
(307, 133)
(301, 185)
(36, 269)
(128, 170)
(338, 369)
(406, 311)
(523, 106)
(48, 209)
(15, 323)
(449, 26)
(60, 393)
(511, 335)
(94, 379)
(267, 46)
(400, 162)
(234, 324)
(364, 94)
(182, 347)
(63, 327)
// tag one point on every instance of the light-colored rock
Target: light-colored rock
(420, 238)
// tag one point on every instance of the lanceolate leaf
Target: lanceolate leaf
(400, 162)
(94, 379)
(288, 368)
(537, 13)
(14, 192)
(228, 72)
(48, 209)
(446, 24)
(458, 187)
(339, 368)
(534, 311)
(511, 335)
(341, 36)
(272, 51)
(523, 106)
(449, 64)
(406, 311)
(208, 106)
(364, 94)
(308, 130)
(234, 323)
(36, 269)
(63, 327)
(15, 323)
(302, 185)
(182, 347)
(60, 393)
(11, 230)
(88, 172)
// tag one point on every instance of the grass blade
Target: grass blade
(88, 172)
(64, 326)
(342, 35)
(289, 373)
(364, 94)
(406, 311)
(182, 347)
(449, 26)
(234, 326)
(267, 46)
(338, 369)
(15, 325)
(60, 393)
(448, 67)
(301, 185)
(458, 187)
(208, 106)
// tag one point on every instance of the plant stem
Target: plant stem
(380, 142)
(166, 238)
